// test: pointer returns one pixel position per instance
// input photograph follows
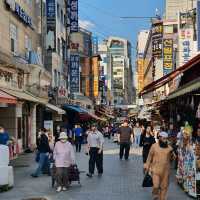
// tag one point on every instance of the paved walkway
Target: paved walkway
(121, 180)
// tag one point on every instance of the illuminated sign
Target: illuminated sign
(167, 55)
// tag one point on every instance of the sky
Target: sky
(102, 17)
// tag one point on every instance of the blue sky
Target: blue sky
(102, 17)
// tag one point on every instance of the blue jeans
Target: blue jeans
(137, 140)
(42, 161)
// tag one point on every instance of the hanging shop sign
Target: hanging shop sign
(19, 12)
(167, 56)
(73, 15)
(51, 12)
(186, 45)
(157, 35)
(74, 73)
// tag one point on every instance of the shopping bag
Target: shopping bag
(147, 182)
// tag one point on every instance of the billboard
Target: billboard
(157, 35)
(73, 15)
(167, 56)
(74, 73)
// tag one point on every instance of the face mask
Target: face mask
(63, 141)
(163, 144)
(1, 130)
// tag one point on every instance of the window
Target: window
(58, 11)
(13, 38)
(58, 46)
(55, 78)
(62, 17)
(28, 43)
(59, 78)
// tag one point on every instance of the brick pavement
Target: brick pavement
(121, 180)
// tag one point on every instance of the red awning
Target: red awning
(6, 98)
(167, 78)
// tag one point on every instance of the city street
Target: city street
(121, 180)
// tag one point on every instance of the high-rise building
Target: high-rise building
(173, 7)
(121, 68)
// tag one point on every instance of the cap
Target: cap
(63, 136)
(163, 134)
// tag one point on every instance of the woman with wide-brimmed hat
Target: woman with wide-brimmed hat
(64, 157)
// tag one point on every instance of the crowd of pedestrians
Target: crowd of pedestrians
(158, 147)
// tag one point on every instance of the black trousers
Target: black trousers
(125, 146)
(78, 143)
(95, 159)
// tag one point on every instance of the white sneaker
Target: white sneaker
(59, 189)
(64, 189)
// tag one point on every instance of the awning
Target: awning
(23, 95)
(167, 78)
(190, 87)
(105, 114)
(55, 108)
(73, 108)
(6, 98)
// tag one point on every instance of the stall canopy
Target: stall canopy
(190, 87)
(167, 78)
(6, 98)
(55, 108)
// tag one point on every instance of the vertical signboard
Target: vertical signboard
(198, 25)
(186, 45)
(167, 56)
(157, 35)
(74, 73)
(73, 15)
(51, 24)
(96, 76)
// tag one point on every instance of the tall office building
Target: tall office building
(173, 7)
(121, 68)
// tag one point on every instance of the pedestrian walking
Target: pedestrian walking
(158, 163)
(95, 148)
(44, 151)
(78, 136)
(64, 157)
(137, 134)
(147, 140)
(4, 137)
(125, 137)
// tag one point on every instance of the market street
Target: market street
(121, 180)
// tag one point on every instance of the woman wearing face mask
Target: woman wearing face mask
(159, 163)
(147, 140)
(64, 157)
(4, 137)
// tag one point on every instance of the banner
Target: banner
(198, 25)
(74, 73)
(73, 15)
(157, 35)
(167, 56)
(186, 45)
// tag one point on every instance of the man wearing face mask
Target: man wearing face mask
(158, 163)
(4, 137)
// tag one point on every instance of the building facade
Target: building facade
(122, 75)
(173, 7)
(23, 75)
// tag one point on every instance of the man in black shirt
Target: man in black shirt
(125, 138)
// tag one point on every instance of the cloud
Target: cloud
(86, 24)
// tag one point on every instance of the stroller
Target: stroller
(73, 173)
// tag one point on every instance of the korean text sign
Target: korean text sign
(74, 73)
